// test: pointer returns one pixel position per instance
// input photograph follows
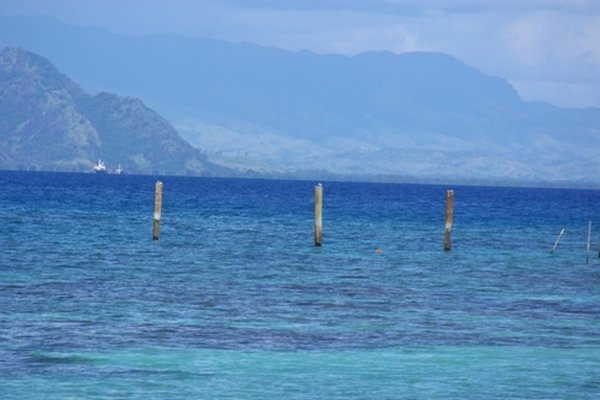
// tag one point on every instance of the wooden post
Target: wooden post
(589, 243)
(562, 232)
(449, 213)
(157, 208)
(318, 214)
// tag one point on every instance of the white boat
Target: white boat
(118, 171)
(99, 167)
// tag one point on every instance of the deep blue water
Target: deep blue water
(235, 302)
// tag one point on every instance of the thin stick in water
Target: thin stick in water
(562, 232)
(589, 243)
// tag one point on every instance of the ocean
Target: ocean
(235, 302)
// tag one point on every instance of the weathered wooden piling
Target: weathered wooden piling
(157, 210)
(449, 214)
(562, 232)
(318, 214)
(589, 243)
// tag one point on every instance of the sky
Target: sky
(548, 49)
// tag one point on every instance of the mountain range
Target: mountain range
(372, 114)
(49, 123)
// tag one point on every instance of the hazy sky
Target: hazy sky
(548, 49)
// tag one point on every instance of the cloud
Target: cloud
(412, 7)
(555, 41)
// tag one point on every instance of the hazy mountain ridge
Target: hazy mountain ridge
(271, 110)
(47, 122)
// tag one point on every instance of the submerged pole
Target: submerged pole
(449, 213)
(588, 245)
(157, 210)
(318, 214)
(562, 232)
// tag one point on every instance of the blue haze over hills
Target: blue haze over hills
(252, 107)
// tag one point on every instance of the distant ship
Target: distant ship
(100, 168)
(118, 171)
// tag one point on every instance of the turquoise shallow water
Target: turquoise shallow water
(234, 301)
(489, 372)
